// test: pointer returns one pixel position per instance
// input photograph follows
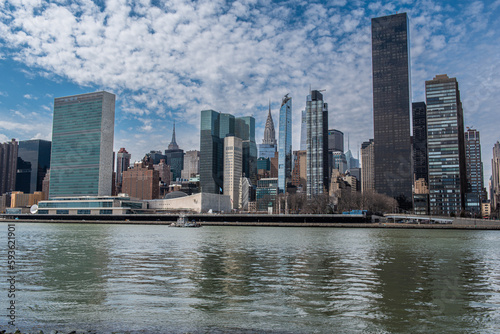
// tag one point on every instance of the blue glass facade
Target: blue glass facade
(267, 151)
(285, 144)
(82, 145)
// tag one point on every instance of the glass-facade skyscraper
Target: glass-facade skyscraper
(245, 130)
(317, 144)
(420, 169)
(391, 107)
(303, 131)
(33, 161)
(445, 144)
(476, 192)
(335, 141)
(211, 153)
(285, 144)
(82, 145)
(214, 128)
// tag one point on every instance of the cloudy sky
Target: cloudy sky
(168, 60)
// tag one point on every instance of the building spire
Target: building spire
(173, 144)
(269, 131)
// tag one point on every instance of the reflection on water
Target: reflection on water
(255, 279)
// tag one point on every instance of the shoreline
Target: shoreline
(269, 224)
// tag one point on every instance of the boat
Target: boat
(182, 221)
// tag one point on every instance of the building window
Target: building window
(62, 212)
(83, 212)
(105, 212)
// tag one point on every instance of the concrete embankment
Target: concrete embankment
(346, 221)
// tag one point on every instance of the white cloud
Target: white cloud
(179, 57)
(4, 94)
(4, 138)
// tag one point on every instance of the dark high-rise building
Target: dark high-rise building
(317, 144)
(175, 157)
(8, 166)
(211, 153)
(495, 177)
(420, 169)
(335, 141)
(446, 147)
(476, 192)
(33, 161)
(245, 130)
(391, 107)
(122, 164)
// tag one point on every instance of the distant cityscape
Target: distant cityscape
(421, 159)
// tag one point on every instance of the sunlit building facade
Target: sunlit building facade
(82, 145)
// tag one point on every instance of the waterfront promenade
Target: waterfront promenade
(311, 220)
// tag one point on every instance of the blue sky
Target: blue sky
(168, 60)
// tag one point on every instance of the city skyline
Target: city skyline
(444, 39)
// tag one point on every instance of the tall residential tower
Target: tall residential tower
(285, 144)
(317, 144)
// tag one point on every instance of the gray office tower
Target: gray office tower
(33, 161)
(391, 107)
(446, 145)
(317, 144)
(81, 162)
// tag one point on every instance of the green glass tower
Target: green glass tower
(82, 145)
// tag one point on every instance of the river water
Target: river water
(160, 279)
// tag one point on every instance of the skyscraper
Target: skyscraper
(317, 144)
(420, 169)
(211, 153)
(367, 166)
(268, 146)
(495, 177)
(214, 128)
(175, 157)
(391, 107)
(335, 141)
(445, 144)
(474, 169)
(33, 161)
(245, 130)
(303, 131)
(233, 160)
(285, 144)
(122, 164)
(191, 164)
(82, 145)
(8, 166)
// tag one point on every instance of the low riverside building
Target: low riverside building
(89, 205)
(196, 203)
